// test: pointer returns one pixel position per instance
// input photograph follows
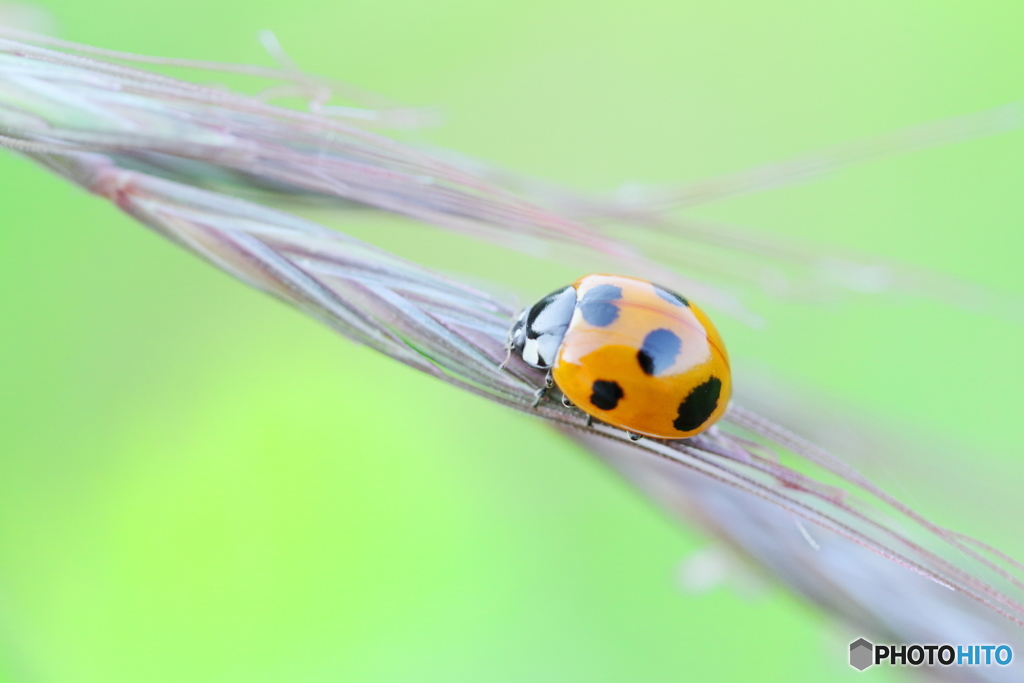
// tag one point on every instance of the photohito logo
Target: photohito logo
(864, 654)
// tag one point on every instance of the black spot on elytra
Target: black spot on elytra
(696, 408)
(597, 307)
(605, 394)
(659, 351)
(671, 297)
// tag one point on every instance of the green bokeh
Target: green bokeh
(197, 484)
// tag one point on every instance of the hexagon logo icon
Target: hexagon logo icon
(861, 654)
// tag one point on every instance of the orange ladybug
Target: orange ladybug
(629, 353)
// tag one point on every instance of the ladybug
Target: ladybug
(629, 353)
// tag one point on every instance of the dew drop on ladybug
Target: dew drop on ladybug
(629, 353)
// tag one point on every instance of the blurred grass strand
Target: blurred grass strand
(783, 267)
(379, 110)
(54, 106)
(304, 154)
(638, 201)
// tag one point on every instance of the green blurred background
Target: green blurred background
(197, 484)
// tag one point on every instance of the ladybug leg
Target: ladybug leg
(634, 437)
(569, 404)
(539, 394)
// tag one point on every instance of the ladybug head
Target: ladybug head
(538, 331)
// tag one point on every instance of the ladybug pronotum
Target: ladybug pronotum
(629, 353)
